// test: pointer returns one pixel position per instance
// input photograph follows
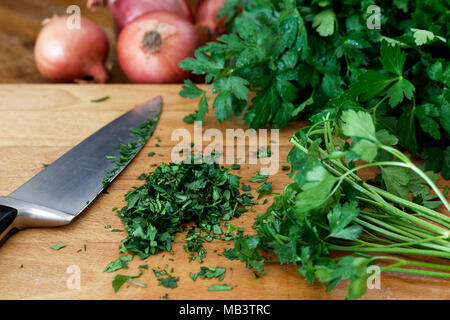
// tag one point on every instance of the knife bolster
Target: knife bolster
(17, 214)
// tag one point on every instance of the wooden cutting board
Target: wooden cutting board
(39, 123)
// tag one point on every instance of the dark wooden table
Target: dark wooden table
(20, 23)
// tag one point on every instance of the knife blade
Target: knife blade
(61, 191)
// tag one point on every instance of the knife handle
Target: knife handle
(7, 217)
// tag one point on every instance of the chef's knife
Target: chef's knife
(60, 192)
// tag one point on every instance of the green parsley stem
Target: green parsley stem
(419, 272)
(235, 208)
(391, 250)
(419, 233)
(373, 110)
(278, 237)
(376, 214)
(284, 238)
(372, 237)
(432, 218)
(214, 204)
(398, 236)
(411, 205)
(137, 283)
(400, 227)
(420, 242)
(369, 244)
(328, 137)
(381, 230)
(415, 263)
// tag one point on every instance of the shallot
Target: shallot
(125, 11)
(65, 53)
(208, 25)
(151, 47)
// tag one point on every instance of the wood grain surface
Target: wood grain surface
(20, 24)
(39, 123)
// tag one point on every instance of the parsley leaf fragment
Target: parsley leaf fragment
(58, 246)
(219, 287)
(120, 263)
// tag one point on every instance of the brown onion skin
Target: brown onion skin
(65, 55)
(206, 23)
(158, 65)
(125, 11)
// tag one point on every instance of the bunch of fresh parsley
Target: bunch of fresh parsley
(284, 58)
(328, 207)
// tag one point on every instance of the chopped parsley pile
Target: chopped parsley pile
(174, 194)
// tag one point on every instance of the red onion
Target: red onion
(125, 11)
(64, 55)
(151, 47)
(206, 22)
